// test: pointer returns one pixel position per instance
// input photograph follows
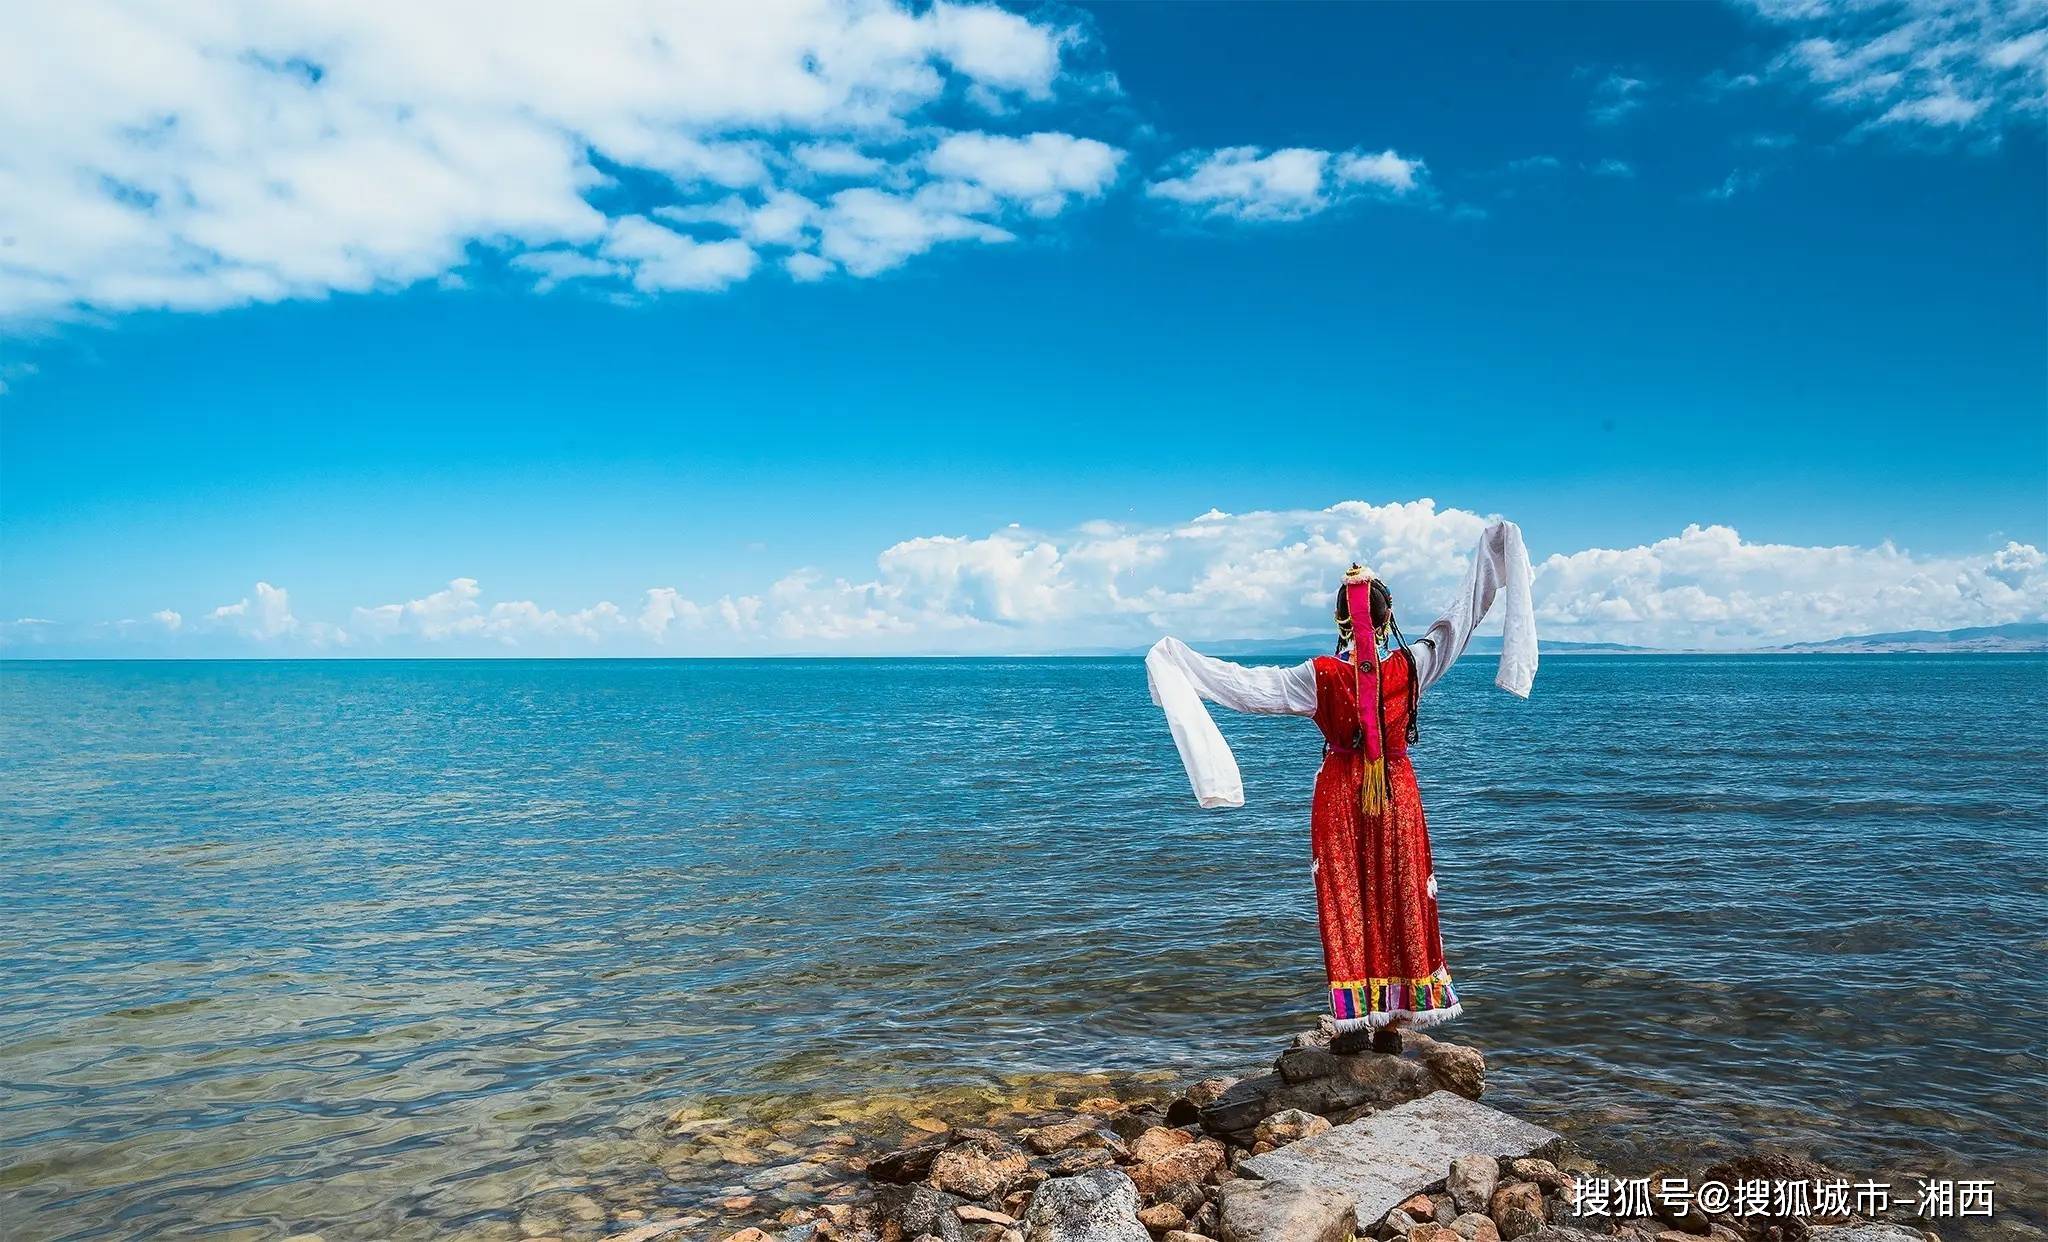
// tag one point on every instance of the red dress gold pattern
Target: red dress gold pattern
(1375, 889)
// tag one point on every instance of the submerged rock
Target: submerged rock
(1277, 1211)
(1099, 1206)
(906, 1164)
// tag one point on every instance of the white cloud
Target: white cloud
(662, 259)
(1614, 168)
(1386, 169)
(1222, 576)
(1737, 182)
(1615, 96)
(456, 613)
(267, 617)
(1924, 66)
(1708, 587)
(807, 267)
(1041, 171)
(195, 157)
(554, 267)
(836, 159)
(168, 618)
(868, 231)
(1247, 183)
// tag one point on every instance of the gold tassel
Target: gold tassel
(1372, 790)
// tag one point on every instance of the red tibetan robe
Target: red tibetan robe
(1375, 888)
(1375, 894)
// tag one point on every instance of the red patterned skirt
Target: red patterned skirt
(1376, 898)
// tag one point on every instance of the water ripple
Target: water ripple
(392, 949)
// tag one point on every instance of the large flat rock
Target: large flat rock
(1382, 1159)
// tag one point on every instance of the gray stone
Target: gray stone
(1287, 1126)
(1518, 1209)
(920, 1210)
(1563, 1233)
(1542, 1172)
(1319, 1082)
(1281, 1211)
(1863, 1231)
(1472, 1181)
(1381, 1160)
(1098, 1206)
(1457, 1067)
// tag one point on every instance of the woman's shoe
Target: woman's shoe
(1349, 1042)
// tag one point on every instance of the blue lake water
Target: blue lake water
(379, 949)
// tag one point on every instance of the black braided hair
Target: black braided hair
(1382, 622)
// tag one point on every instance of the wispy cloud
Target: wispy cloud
(1249, 183)
(1615, 96)
(209, 156)
(1921, 66)
(1217, 575)
(1739, 181)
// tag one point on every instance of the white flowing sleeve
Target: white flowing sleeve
(1181, 678)
(1500, 571)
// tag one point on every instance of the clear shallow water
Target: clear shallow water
(379, 949)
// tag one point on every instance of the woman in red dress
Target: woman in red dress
(1376, 889)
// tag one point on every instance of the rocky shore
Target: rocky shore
(1323, 1148)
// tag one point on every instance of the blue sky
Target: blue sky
(1737, 310)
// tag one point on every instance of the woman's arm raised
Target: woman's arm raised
(1180, 678)
(1500, 569)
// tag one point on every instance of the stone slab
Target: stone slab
(1382, 1159)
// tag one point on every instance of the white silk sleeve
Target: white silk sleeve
(1180, 678)
(1499, 572)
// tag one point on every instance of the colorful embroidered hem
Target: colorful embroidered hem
(1366, 998)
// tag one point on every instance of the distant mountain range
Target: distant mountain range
(2020, 636)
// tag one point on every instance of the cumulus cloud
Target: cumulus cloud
(457, 614)
(1040, 171)
(266, 617)
(1248, 183)
(1922, 66)
(1708, 587)
(1217, 576)
(195, 157)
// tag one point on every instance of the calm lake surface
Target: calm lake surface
(378, 948)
